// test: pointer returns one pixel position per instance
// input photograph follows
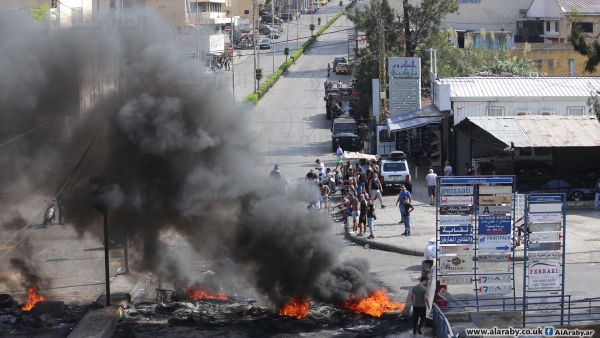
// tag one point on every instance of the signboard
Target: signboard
(544, 275)
(545, 218)
(456, 200)
(494, 267)
(462, 210)
(404, 67)
(492, 258)
(494, 243)
(445, 295)
(215, 44)
(456, 264)
(544, 301)
(502, 288)
(544, 246)
(445, 219)
(545, 207)
(453, 230)
(545, 236)
(456, 240)
(545, 227)
(494, 279)
(544, 256)
(456, 249)
(495, 199)
(497, 189)
(404, 85)
(362, 42)
(537, 199)
(480, 180)
(494, 225)
(456, 190)
(456, 280)
(441, 95)
(495, 210)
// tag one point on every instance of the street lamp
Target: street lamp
(511, 149)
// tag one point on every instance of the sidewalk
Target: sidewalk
(582, 240)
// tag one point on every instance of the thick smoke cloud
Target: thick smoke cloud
(179, 157)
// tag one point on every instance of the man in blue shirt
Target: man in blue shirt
(403, 193)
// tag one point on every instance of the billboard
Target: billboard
(214, 44)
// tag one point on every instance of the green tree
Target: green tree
(40, 14)
(594, 103)
(579, 40)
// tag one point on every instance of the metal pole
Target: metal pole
(273, 23)
(197, 41)
(297, 34)
(435, 60)
(254, 42)
(106, 265)
(525, 260)
(232, 58)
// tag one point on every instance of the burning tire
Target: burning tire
(6, 301)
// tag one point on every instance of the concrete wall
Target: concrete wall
(566, 28)
(544, 9)
(173, 12)
(553, 59)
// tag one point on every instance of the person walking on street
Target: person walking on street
(420, 302)
(276, 174)
(597, 198)
(430, 182)
(406, 209)
(340, 154)
(401, 196)
(447, 169)
(375, 189)
(371, 217)
(362, 219)
(361, 181)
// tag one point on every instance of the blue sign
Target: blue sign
(494, 225)
(456, 239)
(545, 199)
(456, 230)
(483, 180)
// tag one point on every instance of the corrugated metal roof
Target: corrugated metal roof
(584, 6)
(542, 131)
(496, 88)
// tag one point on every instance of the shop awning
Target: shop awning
(416, 118)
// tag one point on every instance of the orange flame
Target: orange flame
(33, 298)
(297, 307)
(199, 293)
(375, 304)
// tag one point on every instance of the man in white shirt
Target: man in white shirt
(320, 166)
(430, 182)
(447, 169)
(340, 154)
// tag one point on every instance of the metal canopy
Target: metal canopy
(415, 118)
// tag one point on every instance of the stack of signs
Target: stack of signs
(456, 234)
(544, 254)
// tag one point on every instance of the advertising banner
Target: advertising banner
(456, 249)
(544, 256)
(545, 218)
(494, 243)
(456, 264)
(544, 275)
(456, 280)
(545, 207)
(492, 190)
(462, 210)
(498, 289)
(456, 200)
(494, 267)
(544, 246)
(452, 219)
(540, 227)
(456, 190)
(494, 279)
(493, 258)
(544, 300)
(495, 199)
(495, 210)
(456, 239)
(494, 225)
(454, 230)
(545, 236)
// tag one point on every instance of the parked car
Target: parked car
(337, 60)
(269, 19)
(270, 31)
(394, 171)
(342, 68)
(265, 43)
(527, 177)
(287, 17)
(575, 190)
(322, 2)
(312, 9)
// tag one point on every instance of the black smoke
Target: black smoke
(179, 157)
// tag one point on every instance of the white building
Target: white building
(516, 96)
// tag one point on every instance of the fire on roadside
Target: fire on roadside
(375, 304)
(32, 298)
(199, 293)
(297, 307)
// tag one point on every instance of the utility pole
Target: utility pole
(197, 42)
(273, 34)
(383, 111)
(232, 57)
(254, 39)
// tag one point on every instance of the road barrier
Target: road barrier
(270, 81)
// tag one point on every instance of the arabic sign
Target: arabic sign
(361, 42)
(404, 67)
(494, 225)
(456, 249)
(502, 288)
(483, 180)
(497, 189)
(544, 275)
(544, 256)
(494, 279)
(494, 267)
(456, 280)
(545, 236)
(544, 246)
(544, 227)
(495, 199)
(456, 200)
(545, 199)
(461, 229)
(456, 190)
(215, 44)
(462, 210)
(491, 258)
(494, 243)
(450, 298)
(456, 239)
(545, 218)
(455, 219)
(544, 300)
(456, 264)
(495, 210)
(545, 207)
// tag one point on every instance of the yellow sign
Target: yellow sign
(452, 264)
(495, 199)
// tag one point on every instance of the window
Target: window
(495, 111)
(575, 111)
(554, 184)
(586, 27)
(384, 136)
(547, 26)
(246, 11)
(400, 166)
(556, 26)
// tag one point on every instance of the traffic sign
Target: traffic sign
(545, 246)
(495, 199)
(456, 210)
(494, 243)
(494, 279)
(456, 190)
(456, 239)
(454, 230)
(456, 280)
(502, 288)
(456, 249)
(494, 225)
(455, 219)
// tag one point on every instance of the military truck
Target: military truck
(340, 102)
(344, 132)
